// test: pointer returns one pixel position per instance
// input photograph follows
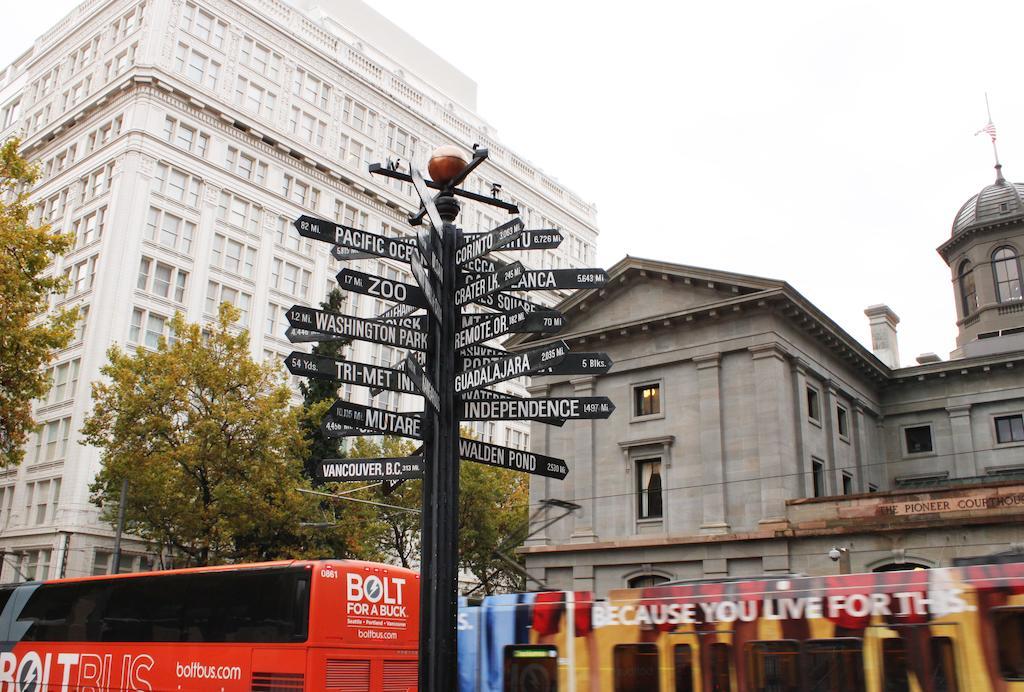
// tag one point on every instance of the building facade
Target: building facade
(179, 139)
(753, 436)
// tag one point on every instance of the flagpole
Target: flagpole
(995, 152)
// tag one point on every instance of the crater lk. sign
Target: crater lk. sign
(964, 503)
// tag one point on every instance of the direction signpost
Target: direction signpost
(453, 272)
(379, 469)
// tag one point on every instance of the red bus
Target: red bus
(269, 627)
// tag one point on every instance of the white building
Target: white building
(179, 139)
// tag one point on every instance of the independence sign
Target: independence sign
(584, 407)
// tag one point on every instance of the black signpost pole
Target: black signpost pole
(450, 272)
(439, 595)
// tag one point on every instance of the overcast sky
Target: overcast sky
(828, 144)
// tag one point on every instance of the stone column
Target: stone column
(802, 462)
(964, 463)
(859, 434)
(583, 466)
(829, 410)
(540, 486)
(774, 446)
(713, 519)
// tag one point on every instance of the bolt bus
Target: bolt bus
(271, 627)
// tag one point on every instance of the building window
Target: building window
(1010, 428)
(261, 59)
(918, 439)
(196, 66)
(287, 236)
(238, 212)
(289, 278)
(842, 422)
(645, 581)
(185, 137)
(1006, 271)
(176, 184)
(647, 400)
(52, 440)
(203, 25)
(162, 279)
(648, 479)
(63, 382)
(41, 500)
(170, 230)
(89, 228)
(147, 328)
(255, 98)
(818, 477)
(36, 565)
(217, 293)
(847, 484)
(872, 488)
(233, 256)
(968, 292)
(813, 405)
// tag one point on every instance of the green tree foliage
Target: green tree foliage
(27, 343)
(210, 447)
(314, 392)
(493, 510)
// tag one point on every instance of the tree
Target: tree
(315, 391)
(205, 436)
(493, 510)
(27, 344)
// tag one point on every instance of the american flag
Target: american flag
(989, 129)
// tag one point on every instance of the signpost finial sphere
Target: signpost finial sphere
(445, 163)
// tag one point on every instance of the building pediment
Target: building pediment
(641, 290)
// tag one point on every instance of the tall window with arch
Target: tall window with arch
(1006, 270)
(968, 292)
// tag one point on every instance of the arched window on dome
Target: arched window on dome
(1006, 270)
(968, 293)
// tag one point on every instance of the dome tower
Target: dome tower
(984, 257)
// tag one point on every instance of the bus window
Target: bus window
(719, 668)
(833, 664)
(943, 665)
(55, 612)
(245, 606)
(682, 658)
(531, 668)
(1009, 626)
(773, 666)
(894, 665)
(636, 667)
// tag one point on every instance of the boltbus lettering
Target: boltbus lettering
(83, 672)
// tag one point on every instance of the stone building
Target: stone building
(753, 435)
(179, 139)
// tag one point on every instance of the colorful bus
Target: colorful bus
(270, 627)
(941, 630)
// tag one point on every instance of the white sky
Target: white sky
(828, 144)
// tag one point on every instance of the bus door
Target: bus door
(699, 662)
(919, 658)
